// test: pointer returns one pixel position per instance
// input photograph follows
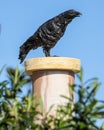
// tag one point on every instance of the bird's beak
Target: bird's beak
(79, 14)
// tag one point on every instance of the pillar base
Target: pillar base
(51, 77)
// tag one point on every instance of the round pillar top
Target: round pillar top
(52, 63)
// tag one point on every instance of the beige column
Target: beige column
(51, 77)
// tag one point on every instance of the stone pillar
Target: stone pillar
(51, 77)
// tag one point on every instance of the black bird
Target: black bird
(48, 34)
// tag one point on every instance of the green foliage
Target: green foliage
(17, 78)
(24, 114)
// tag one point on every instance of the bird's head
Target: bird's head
(70, 14)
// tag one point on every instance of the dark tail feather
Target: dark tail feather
(25, 48)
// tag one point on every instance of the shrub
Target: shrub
(21, 113)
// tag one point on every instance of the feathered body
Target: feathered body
(48, 34)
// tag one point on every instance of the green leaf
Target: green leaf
(102, 127)
(80, 75)
(16, 76)
(1, 70)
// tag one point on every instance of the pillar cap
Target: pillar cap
(52, 63)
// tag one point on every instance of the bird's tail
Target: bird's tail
(25, 48)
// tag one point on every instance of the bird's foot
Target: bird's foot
(55, 56)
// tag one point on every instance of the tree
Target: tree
(22, 114)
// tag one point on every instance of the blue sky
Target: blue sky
(83, 39)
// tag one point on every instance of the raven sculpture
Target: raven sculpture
(48, 34)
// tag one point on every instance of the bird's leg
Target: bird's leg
(46, 51)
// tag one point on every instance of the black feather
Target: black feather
(48, 34)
